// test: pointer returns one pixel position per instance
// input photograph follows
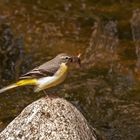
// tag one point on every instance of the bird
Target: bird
(47, 75)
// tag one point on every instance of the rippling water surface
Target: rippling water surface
(107, 33)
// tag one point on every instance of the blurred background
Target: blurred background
(107, 33)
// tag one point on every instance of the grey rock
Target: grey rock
(49, 119)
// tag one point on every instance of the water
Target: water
(106, 88)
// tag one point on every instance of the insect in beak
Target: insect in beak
(76, 59)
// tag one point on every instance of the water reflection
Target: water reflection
(106, 88)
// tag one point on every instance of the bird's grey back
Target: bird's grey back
(46, 69)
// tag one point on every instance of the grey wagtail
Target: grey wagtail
(46, 75)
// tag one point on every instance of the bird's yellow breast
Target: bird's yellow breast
(51, 81)
(62, 70)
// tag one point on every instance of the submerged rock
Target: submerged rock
(11, 53)
(49, 119)
(102, 46)
(135, 28)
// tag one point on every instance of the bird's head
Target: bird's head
(67, 59)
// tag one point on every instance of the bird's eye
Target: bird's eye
(67, 57)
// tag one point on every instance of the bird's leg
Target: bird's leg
(45, 93)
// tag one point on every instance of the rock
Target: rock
(102, 46)
(49, 119)
(11, 54)
(135, 28)
(135, 25)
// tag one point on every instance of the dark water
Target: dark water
(107, 33)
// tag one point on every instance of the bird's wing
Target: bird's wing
(36, 73)
(47, 69)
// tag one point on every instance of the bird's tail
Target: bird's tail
(23, 82)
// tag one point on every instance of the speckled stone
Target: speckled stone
(48, 119)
